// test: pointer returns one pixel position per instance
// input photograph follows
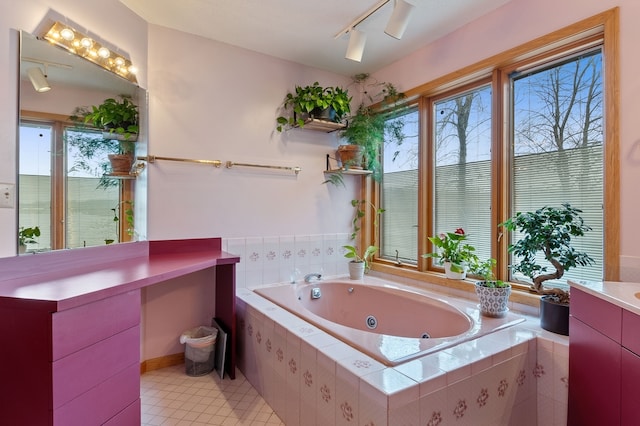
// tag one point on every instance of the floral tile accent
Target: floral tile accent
(483, 397)
(347, 411)
(308, 378)
(358, 363)
(538, 371)
(258, 337)
(502, 387)
(436, 419)
(280, 355)
(326, 393)
(522, 376)
(293, 366)
(460, 409)
(267, 345)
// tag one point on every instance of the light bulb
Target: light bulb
(86, 42)
(67, 34)
(119, 61)
(104, 53)
(133, 69)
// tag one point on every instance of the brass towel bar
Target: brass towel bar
(218, 163)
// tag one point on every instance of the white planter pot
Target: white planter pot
(493, 300)
(356, 270)
(454, 275)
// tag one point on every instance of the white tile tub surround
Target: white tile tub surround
(515, 376)
(268, 260)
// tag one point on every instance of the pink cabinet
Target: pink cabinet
(70, 327)
(604, 363)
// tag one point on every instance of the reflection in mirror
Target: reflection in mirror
(65, 188)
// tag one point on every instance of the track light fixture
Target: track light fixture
(38, 79)
(399, 19)
(395, 27)
(357, 40)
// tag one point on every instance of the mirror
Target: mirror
(64, 198)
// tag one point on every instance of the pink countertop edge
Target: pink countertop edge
(65, 279)
(622, 294)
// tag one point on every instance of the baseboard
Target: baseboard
(161, 362)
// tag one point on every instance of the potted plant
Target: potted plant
(453, 253)
(492, 292)
(119, 122)
(118, 118)
(315, 101)
(360, 259)
(369, 128)
(27, 236)
(548, 231)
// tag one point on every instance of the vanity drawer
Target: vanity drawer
(79, 372)
(104, 401)
(631, 331)
(599, 314)
(80, 327)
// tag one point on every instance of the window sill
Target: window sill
(433, 278)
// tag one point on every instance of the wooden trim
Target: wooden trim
(43, 116)
(603, 27)
(611, 238)
(545, 43)
(161, 362)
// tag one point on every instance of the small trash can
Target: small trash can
(199, 353)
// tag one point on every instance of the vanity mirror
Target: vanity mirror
(64, 183)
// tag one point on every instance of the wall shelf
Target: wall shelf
(322, 125)
(360, 172)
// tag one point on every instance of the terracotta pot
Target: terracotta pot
(350, 156)
(121, 163)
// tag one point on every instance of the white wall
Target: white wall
(520, 21)
(212, 101)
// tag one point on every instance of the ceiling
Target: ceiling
(303, 31)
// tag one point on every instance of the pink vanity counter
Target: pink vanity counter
(70, 327)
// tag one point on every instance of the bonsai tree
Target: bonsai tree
(352, 252)
(451, 247)
(118, 117)
(315, 101)
(548, 231)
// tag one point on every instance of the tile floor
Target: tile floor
(170, 397)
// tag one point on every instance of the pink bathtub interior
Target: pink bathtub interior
(387, 321)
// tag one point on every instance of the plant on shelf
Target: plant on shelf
(119, 122)
(548, 231)
(360, 259)
(325, 103)
(27, 236)
(492, 292)
(453, 253)
(118, 118)
(370, 127)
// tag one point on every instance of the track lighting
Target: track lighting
(395, 27)
(38, 79)
(399, 19)
(357, 40)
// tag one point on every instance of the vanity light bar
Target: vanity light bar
(84, 46)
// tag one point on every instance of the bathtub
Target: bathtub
(389, 322)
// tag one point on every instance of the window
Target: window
(62, 189)
(492, 141)
(557, 144)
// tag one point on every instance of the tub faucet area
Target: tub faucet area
(312, 277)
